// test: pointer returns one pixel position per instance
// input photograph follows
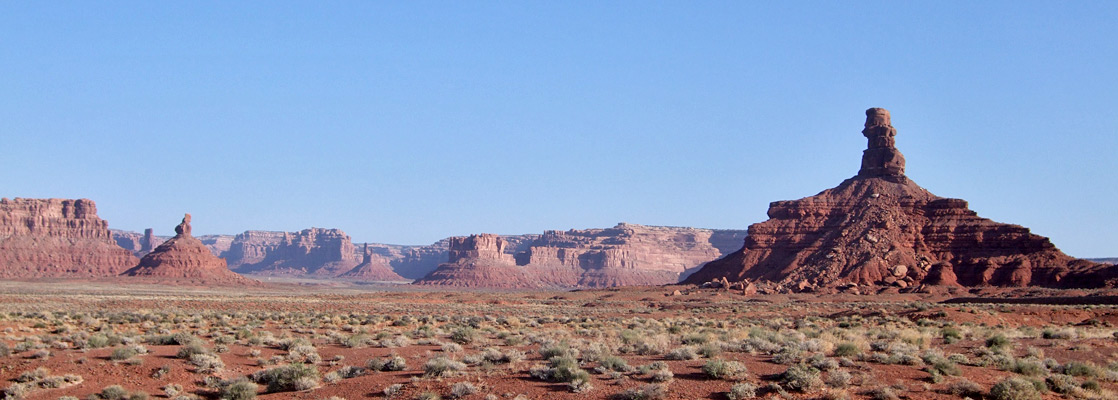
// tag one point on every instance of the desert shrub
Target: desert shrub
(428, 396)
(442, 366)
(332, 377)
(207, 363)
(1028, 367)
(1014, 388)
(695, 339)
(462, 389)
(190, 349)
(883, 393)
(240, 389)
(350, 371)
(393, 390)
(742, 391)
(682, 353)
(113, 392)
(303, 353)
(356, 341)
(288, 377)
(847, 349)
(1080, 369)
(18, 391)
(1062, 384)
(1059, 334)
(711, 349)
(560, 349)
(34, 375)
(649, 391)
(172, 390)
(5, 351)
(965, 388)
(950, 335)
(463, 335)
(722, 369)
(615, 363)
(838, 379)
(126, 352)
(801, 377)
(451, 347)
(997, 341)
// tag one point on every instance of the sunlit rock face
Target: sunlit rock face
(879, 227)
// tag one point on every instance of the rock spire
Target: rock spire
(880, 228)
(184, 259)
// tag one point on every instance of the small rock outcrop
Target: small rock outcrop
(881, 228)
(47, 238)
(480, 261)
(373, 268)
(184, 259)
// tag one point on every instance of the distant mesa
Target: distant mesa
(185, 259)
(624, 255)
(880, 228)
(314, 252)
(57, 238)
(373, 268)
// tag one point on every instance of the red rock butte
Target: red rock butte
(881, 228)
(47, 238)
(184, 259)
(373, 268)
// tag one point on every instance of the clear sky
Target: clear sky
(406, 122)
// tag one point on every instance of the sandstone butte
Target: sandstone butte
(183, 259)
(373, 268)
(625, 255)
(881, 228)
(41, 238)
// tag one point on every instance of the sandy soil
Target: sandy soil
(891, 341)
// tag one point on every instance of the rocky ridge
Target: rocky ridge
(57, 238)
(881, 228)
(314, 252)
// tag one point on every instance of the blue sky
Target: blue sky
(407, 122)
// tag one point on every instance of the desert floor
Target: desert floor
(355, 342)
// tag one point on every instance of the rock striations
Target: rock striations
(373, 268)
(57, 238)
(184, 259)
(624, 255)
(881, 228)
(480, 261)
(314, 252)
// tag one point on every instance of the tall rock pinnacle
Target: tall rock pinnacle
(881, 157)
(881, 228)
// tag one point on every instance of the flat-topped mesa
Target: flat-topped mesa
(485, 246)
(881, 157)
(57, 238)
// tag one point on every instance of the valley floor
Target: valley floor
(355, 342)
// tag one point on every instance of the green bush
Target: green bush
(442, 366)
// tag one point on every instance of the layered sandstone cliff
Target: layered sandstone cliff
(315, 252)
(138, 243)
(480, 261)
(624, 255)
(57, 238)
(373, 268)
(184, 259)
(881, 228)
